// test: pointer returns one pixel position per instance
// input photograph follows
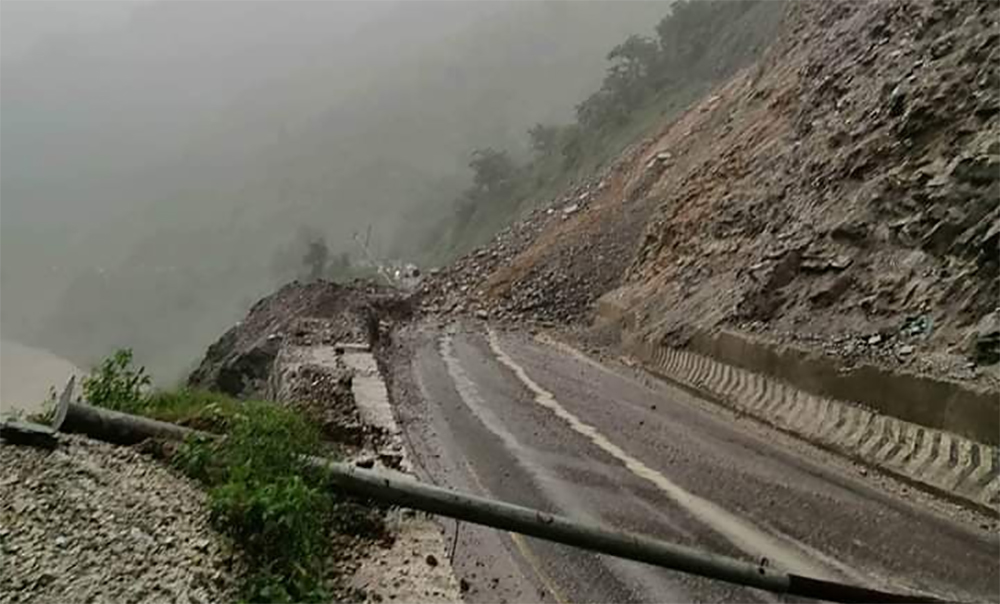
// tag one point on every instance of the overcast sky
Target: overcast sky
(26, 23)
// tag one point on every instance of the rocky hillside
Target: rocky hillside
(842, 192)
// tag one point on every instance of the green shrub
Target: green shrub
(196, 458)
(116, 384)
(267, 441)
(279, 524)
(267, 499)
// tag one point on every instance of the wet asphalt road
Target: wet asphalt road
(510, 417)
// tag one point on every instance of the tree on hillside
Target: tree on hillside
(543, 138)
(632, 63)
(571, 145)
(315, 258)
(493, 171)
(636, 56)
(626, 84)
(600, 109)
(691, 29)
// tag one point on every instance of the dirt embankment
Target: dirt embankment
(842, 193)
(240, 362)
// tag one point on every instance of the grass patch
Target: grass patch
(199, 409)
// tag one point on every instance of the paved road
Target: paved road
(511, 417)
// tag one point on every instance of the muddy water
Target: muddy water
(27, 374)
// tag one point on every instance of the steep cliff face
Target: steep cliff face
(843, 192)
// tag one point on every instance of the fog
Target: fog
(157, 156)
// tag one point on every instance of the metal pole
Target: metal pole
(386, 486)
(401, 489)
(117, 427)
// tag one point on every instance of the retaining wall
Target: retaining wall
(938, 434)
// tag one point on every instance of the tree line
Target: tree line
(698, 41)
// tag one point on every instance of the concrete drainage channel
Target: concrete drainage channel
(938, 446)
(414, 567)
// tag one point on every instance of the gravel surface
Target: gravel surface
(91, 522)
(413, 568)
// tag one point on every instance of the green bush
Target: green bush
(196, 458)
(267, 499)
(267, 441)
(116, 384)
(280, 526)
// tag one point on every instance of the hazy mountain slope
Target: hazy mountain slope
(150, 175)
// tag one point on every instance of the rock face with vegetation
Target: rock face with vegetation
(697, 45)
(840, 192)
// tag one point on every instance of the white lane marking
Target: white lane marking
(740, 533)
(632, 575)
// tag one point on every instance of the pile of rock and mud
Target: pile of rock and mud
(551, 265)
(842, 193)
(320, 312)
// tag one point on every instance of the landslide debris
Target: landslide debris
(240, 362)
(843, 193)
(487, 284)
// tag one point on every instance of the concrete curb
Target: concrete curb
(934, 403)
(937, 460)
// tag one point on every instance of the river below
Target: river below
(26, 376)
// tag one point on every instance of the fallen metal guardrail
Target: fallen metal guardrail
(395, 488)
